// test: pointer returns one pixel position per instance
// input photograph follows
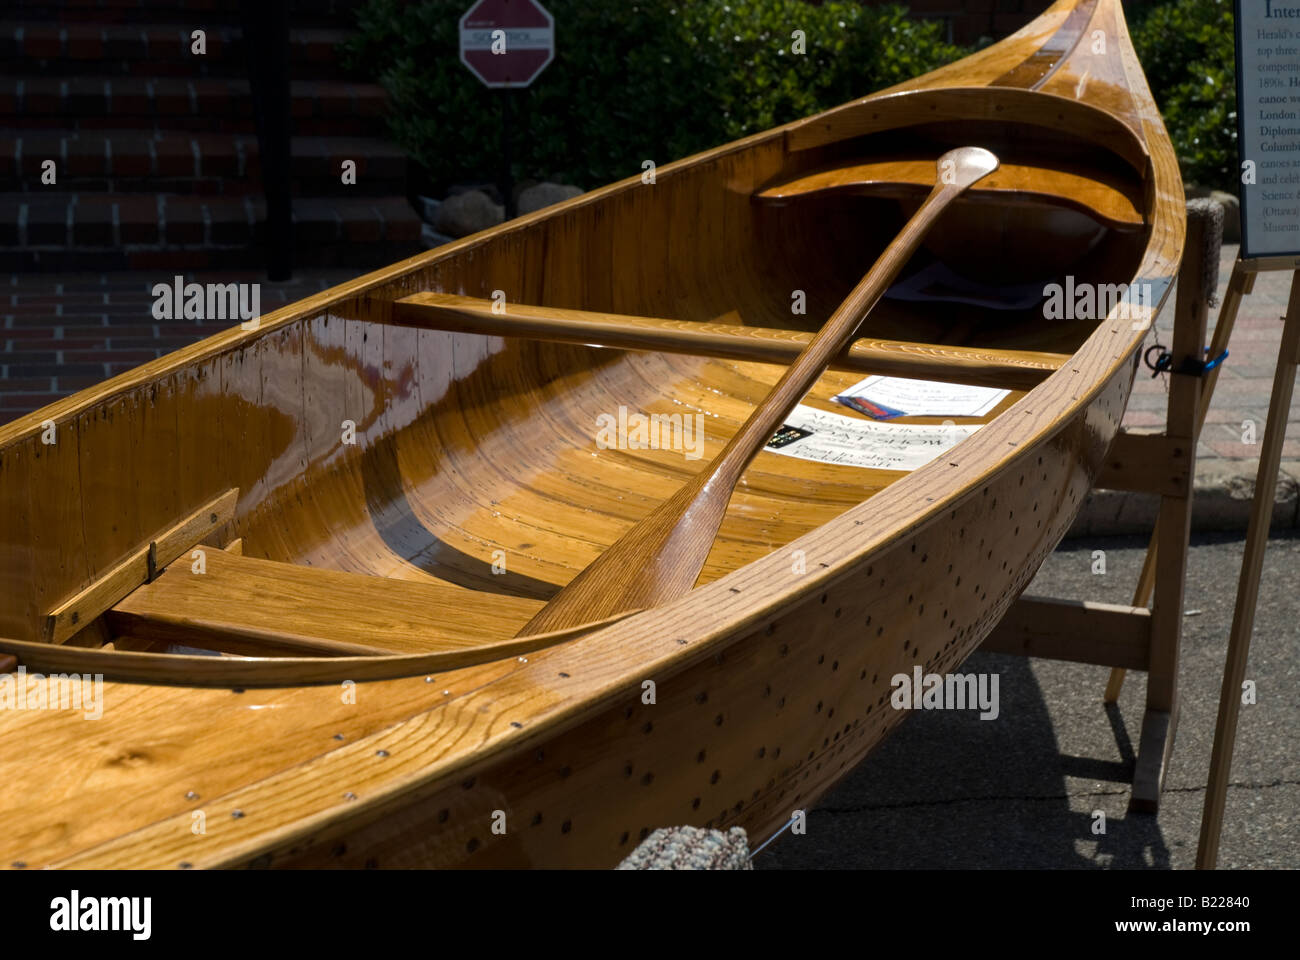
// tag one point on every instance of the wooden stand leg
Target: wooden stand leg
(1243, 617)
(1240, 283)
(1174, 525)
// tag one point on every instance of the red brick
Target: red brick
(85, 42)
(138, 219)
(216, 155)
(172, 97)
(174, 260)
(138, 355)
(130, 97)
(47, 220)
(230, 222)
(175, 156)
(87, 156)
(184, 221)
(131, 155)
(316, 221)
(20, 403)
(92, 223)
(369, 100)
(166, 42)
(43, 95)
(85, 96)
(215, 96)
(41, 41)
(26, 384)
(124, 43)
(363, 226)
(28, 335)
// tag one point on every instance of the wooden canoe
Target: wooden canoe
(382, 483)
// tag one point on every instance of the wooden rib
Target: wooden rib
(139, 567)
(1109, 200)
(257, 607)
(983, 366)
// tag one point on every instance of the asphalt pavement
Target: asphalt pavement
(948, 790)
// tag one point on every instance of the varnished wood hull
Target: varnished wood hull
(769, 684)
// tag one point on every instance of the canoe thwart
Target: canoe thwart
(1107, 199)
(140, 566)
(979, 366)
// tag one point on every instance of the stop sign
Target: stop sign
(514, 56)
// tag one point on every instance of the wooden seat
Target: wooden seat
(264, 608)
(1108, 199)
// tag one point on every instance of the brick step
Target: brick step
(85, 231)
(355, 258)
(336, 13)
(223, 105)
(135, 161)
(150, 50)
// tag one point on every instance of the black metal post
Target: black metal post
(266, 43)
(507, 143)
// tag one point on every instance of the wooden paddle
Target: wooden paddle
(661, 557)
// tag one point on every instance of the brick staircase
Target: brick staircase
(155, 147)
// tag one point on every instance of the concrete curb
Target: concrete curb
(1221, 499)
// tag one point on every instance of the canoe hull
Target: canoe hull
(770, 680)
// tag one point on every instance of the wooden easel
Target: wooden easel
(1138, 637)
(1261, 513)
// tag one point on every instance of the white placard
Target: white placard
(925, 398)
(854, 442)
(1268, 126)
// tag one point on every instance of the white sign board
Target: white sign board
(1268, 126)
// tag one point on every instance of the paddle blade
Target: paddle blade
(656, 561)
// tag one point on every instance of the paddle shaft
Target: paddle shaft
(660, 557)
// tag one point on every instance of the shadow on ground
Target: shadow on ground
(949, 790)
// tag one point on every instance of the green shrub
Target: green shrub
(1186, 49)
(632, 79)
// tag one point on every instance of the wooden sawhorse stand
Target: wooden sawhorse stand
(1137, 637)
(1261, 513)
